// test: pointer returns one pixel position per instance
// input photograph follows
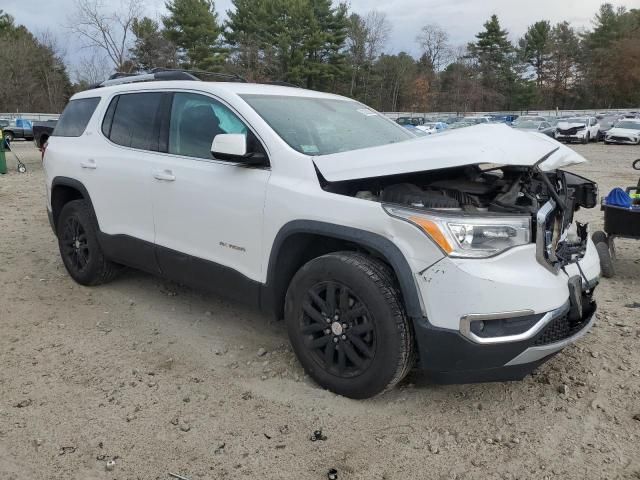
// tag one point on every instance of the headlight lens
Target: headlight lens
(469, 237)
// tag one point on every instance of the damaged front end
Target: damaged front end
(475, 212)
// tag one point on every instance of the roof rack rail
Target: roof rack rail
(224, 76)
(159, 74)
(282, 84)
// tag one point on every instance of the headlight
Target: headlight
(469, 237)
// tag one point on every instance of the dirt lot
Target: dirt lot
(163, 379)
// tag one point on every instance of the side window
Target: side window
(195, 121)
(75, 117)
(130, 120)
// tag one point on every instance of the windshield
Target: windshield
(321, 126)
(628, 125)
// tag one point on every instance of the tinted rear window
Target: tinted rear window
(75, 117)
(133, 123)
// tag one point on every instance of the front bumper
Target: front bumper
(569, 138)
(531, 302)
(449, 357)
(622, 140)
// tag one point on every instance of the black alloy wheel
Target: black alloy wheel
(75, 246)
(347, 324)
(338, 329)
(77, 231)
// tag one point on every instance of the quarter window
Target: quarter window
(75, 117)
(130, 120)
(196, 120)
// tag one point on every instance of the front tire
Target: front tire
(9, 136)
(347, 324)
(79, 247)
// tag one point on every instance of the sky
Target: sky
(462, 19)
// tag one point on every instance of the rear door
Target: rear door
(116, 169)
(208, 212)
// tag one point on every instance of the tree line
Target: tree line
(33, 76)
(322, 45)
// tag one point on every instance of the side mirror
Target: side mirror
(234, 147)
(229, 146)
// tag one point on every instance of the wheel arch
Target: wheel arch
(64, 190)
(299, 241)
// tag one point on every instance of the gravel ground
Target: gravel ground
(161, 378)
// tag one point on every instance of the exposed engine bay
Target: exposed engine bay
(550, 198)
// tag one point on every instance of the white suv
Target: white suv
(456, 253)
(581, 129)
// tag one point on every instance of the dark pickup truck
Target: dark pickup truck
(42, 131)
(18, 128)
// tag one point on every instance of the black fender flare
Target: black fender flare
(373, 241)
(73, 183)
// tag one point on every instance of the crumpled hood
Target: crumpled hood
(568, 125)
(481, 144)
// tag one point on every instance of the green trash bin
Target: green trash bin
(3, 159)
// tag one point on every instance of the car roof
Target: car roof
(238, 88)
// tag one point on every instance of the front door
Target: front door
(208, 213)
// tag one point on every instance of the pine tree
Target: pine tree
(493, 54)
(151, 48)
(192, 25)
(534, 48)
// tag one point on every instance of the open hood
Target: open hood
(568, 125)
(481, 144)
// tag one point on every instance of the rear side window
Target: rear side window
(75, 117)
(130, 120)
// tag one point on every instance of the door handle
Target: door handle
(166, 175)
(91, 163)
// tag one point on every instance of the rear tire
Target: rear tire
(79, 247)
(9, 136)
(356, 341)
(606, 262)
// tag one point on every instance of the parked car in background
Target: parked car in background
(578, 129)
(42, 131)
(413, 121)
(433, 127)
(477, 119)
(606, 124)
(18, 128)
(624, 132)
(540, 127)
(529, 118)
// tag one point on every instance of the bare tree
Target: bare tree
(108, 30)
(377, 28)
(92, 69)
(434, 42)
(52, 70)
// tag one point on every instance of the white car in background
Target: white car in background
(433, 127)
(626, 131)
(477, 119)
(529, 118)
(578, 129)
